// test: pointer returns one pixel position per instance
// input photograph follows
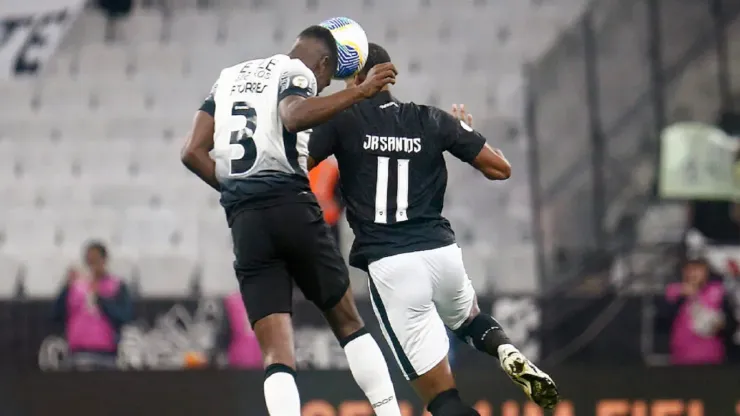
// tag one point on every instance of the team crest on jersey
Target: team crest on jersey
(300, 82)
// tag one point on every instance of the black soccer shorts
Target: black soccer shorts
(279, 245)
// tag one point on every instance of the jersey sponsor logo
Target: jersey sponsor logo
(300, 82)
(261, 69)
(466, 126)
(253, 76)
(392, 144)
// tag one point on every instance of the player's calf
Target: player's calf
(366, 361)
(484, 333)
(275, 335)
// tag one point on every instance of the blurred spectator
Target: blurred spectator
(324, 180)
(93, 308)
(114, 10)
(700, 316)
(236, 337)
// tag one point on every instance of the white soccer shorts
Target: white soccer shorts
(415, 295)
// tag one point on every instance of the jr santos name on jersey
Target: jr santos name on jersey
(392, 144)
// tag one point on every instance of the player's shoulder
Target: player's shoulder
(294, 65)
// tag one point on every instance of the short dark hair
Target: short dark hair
(98, 246)
(324, 35)
(376, 55)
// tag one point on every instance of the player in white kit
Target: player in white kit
(249, 124)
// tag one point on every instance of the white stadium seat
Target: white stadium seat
(27, 232)
(10, 270)
(45, 275)
(166, 276)
(218, 278)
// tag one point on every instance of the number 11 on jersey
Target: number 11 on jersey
(381, 190)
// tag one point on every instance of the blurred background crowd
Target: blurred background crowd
(617, 239)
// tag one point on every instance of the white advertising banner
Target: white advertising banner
(30, 32)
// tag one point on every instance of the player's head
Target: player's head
(96, 257)
(317, 49)
(376, 55)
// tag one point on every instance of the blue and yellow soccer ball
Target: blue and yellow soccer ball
(351, 44)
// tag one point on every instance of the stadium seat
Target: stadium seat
(215, 237)
(142, 26)
(64, 98)
(45, 275)
(103, 161)
(515, 270)
(10, 270)
(218, 277)
(155, 60)
(128, 103)
(78, 227)
(475, 266)
(62, 196)
(122, 266)
(88, 28)
(189, 26)
(158, 231)
(105, 62)
(158, 160)
(27, 232)
(51, 162)
(124, 195)
(165, 276)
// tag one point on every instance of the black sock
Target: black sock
(448, 403)
(484, 333)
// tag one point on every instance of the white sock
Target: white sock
(281, 395)
(370, 371)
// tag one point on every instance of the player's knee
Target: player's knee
(348, 329)
(344, 318)
(448, 403)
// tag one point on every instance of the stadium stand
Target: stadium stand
(90, 149)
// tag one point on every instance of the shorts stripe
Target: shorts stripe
(408, 369)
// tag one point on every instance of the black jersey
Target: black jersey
(392, 173)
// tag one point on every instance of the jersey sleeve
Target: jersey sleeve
(323, 140)
(209, 104)
(457, 136)
(296, 79)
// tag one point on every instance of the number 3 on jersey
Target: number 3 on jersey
(243, 138)
(381, 190)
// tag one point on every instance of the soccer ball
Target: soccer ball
(351, 44)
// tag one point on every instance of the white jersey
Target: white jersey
(256, 158)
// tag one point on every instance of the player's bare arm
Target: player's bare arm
(299, 113)
(194, 154)
(490, 162)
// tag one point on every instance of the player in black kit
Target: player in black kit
(393, 178)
